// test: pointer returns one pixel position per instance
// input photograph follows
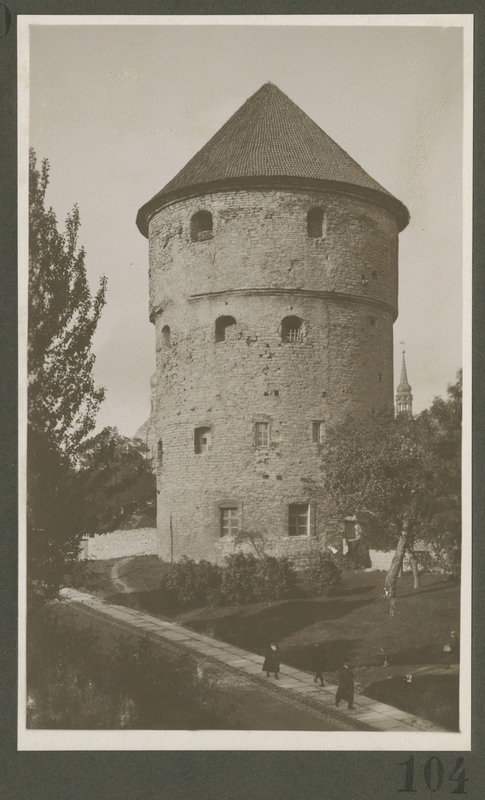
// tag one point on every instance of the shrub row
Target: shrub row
(243, 578)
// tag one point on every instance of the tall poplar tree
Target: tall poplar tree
(62, 396)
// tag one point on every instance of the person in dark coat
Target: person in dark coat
(451, 649)
(345, 689)
(318, 663)
(272, 660)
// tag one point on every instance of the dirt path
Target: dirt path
(120, 575)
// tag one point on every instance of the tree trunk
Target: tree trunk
(415, 569)
(396, 564)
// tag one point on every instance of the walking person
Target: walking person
(450, 649)
(345, 689)
(318, 663)
(272, 660)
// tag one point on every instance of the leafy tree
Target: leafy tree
(63, 316)
(397, 476)
(379, 469)
(114, 482)
(62, 397)
(443, 420)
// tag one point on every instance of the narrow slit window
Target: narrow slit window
(202, 440)
(317, 432)
(314, 223)
(229, 521)
(298, 519)
(262, 434)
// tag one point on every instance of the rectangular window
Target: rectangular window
(262, 434)
(229, 521)
(202, 440)
(298, 519)
(317, 432)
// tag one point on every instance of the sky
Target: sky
(119, 110)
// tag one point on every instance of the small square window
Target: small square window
(262, 434)
(317, 432)
(229, 520)
(298, 519)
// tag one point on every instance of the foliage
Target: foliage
(242, 579)
(74, 682)
(443, 531)
(396, 475)
(62, 397)
(251, 537)
(275, 579)
(191, 582)
(114, 482)
(63, 316)
(246, 578)
(321, 573)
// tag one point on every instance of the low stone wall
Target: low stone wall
(116, 544)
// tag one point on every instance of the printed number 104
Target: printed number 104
(433, 774)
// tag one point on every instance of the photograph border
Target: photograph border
(478, 546)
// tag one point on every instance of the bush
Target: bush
(190, 582)
(275, 578)
(321, 573)
(243, 579)
(247, 578)
(240, 577)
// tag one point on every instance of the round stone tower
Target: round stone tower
(273, 290)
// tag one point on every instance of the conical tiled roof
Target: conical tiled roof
(269, 137)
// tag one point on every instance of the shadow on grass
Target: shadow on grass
(427, 654)
(253, 630)
(353, 590)
(335, 652)
(434, 697)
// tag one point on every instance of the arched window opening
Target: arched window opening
(166, 335)
(202, 440)
(160, 453)
(314, 223)
(292, 329)
(223, 328)
(201, 226)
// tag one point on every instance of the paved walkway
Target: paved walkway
(368, 714)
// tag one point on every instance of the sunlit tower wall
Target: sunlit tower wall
(273, 291)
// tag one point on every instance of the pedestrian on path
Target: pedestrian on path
(318, 663)
(345, 689)
(450, 649)
(272, 660)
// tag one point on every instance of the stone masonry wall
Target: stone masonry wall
(259, 267)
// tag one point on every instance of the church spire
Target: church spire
(404, 397)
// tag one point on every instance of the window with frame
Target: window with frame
(202, 440)
(317, 432)
(229, 521)
(298, 519)
(262, 434)
(292, 329)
